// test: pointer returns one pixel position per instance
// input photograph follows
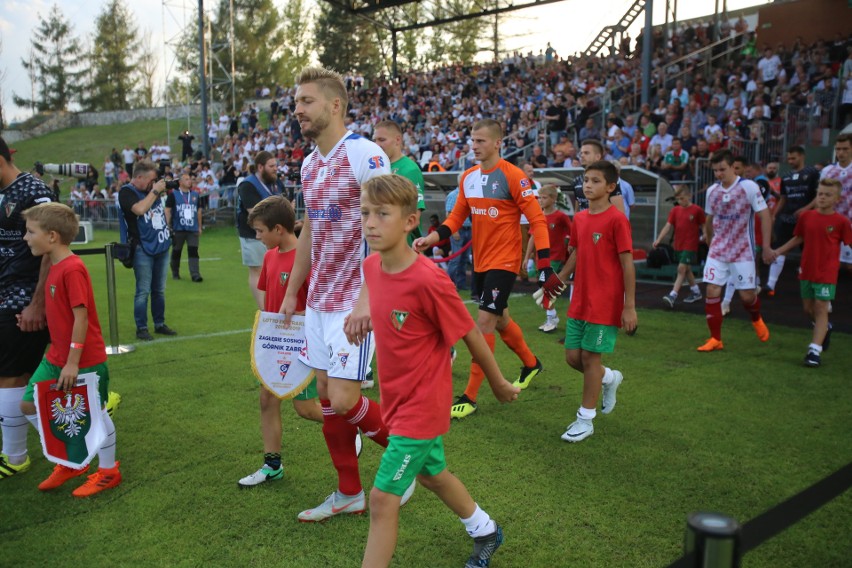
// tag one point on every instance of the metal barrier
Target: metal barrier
(114, 347)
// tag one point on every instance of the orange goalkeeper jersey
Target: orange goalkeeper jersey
(494, 200)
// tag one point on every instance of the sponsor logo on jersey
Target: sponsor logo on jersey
(283, 277)
(376, 162)
(525, 183)
(492, 212)
(526, 193)
(596, 237)
(331, 213)
(52, 290)
(398, 318)
(344, 358)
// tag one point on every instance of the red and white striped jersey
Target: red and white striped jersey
(733, 212)
(331, 186)
(844, 176)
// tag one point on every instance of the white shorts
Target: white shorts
(329, 350)
(740, 274)
(845, 254)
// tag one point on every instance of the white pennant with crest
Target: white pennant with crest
(275, 352)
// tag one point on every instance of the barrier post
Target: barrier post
(715, 540)
(114, 348)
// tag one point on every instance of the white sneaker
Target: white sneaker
(726, 308)
(549, 325)
(608, 402)
(368, 381)
(408, 493)
(579, 430)
(692, 298)
(333, 505)
(669, 300)
(262, 475)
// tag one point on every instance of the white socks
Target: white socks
(695, 289)
(815, 348)
(729, 293)
(106, 455)
(586, 413)
(14, 425)
(608, 376)
(775, 271)
(479, 523)
(551, 314)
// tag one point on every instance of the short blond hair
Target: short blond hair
(330, 83)
(56, 217)
(490, 124)
(549, 189)
(835, 183)
(391, 189)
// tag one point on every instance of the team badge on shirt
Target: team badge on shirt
(830, 228)
(398, 319)
(596, 237)
(344, 358)
(283, 277)
(10, 207)
(52, 290)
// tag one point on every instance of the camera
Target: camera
(77, 170)
(172, 184)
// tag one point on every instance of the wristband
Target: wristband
(444, 232)
(542, 258)
(77, 345)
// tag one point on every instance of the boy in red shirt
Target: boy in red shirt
(558, 229)
(416, 316)
(822, 230)
(76, 343)
(687, 220)
(274, 221)
(604, 294)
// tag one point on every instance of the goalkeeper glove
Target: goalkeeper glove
(550, 290)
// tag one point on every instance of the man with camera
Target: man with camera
(183, 216)
(23, 327)
(144, 227)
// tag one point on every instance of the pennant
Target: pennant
(275, 353)
(71, 424)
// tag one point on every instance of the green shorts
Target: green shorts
(405, 459)
(815, 291)
(47, 372)
(556, 266)
(592, 337)
(688, 257)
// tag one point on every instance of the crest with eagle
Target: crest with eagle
(70, 417)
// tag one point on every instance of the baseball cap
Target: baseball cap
(5, 151)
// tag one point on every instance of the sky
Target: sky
(569, 26)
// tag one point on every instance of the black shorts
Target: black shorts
(22, 351)
(782, 232)
(494, 288)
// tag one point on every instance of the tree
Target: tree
(113, 59)
(146, 69)
(298, 44)
(354, 49)
(55, 63)
(258, 40)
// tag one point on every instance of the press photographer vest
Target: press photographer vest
(154, 235)
(185, 216)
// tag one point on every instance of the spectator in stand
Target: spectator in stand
(129, 158)
(675, 162)
(647, 126)
(680, 93)
(538, 159)
(654, 158)
(770, 67)
(630, 127)
(109, 171)
(662, 138)
(619, 146)
(687, 140)
(636, 157)
(590, 131)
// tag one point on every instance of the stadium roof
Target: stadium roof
(431, 13)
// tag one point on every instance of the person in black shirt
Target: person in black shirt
(592, 151)
(186, 145)
(23, 327)
(798, 192)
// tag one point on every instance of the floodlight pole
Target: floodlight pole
(646, 51)
(203, 80)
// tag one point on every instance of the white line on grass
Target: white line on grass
(210, 258)
(188, 337)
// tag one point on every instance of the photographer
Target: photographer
(183, 216)
(143, 226)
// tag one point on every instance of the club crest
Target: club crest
(284, 367)
(596, 237)
(830, 228)
(344, 358)
(398, 319)
(10, 208)
(70, 418)
(283, 277)
(52, 290)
